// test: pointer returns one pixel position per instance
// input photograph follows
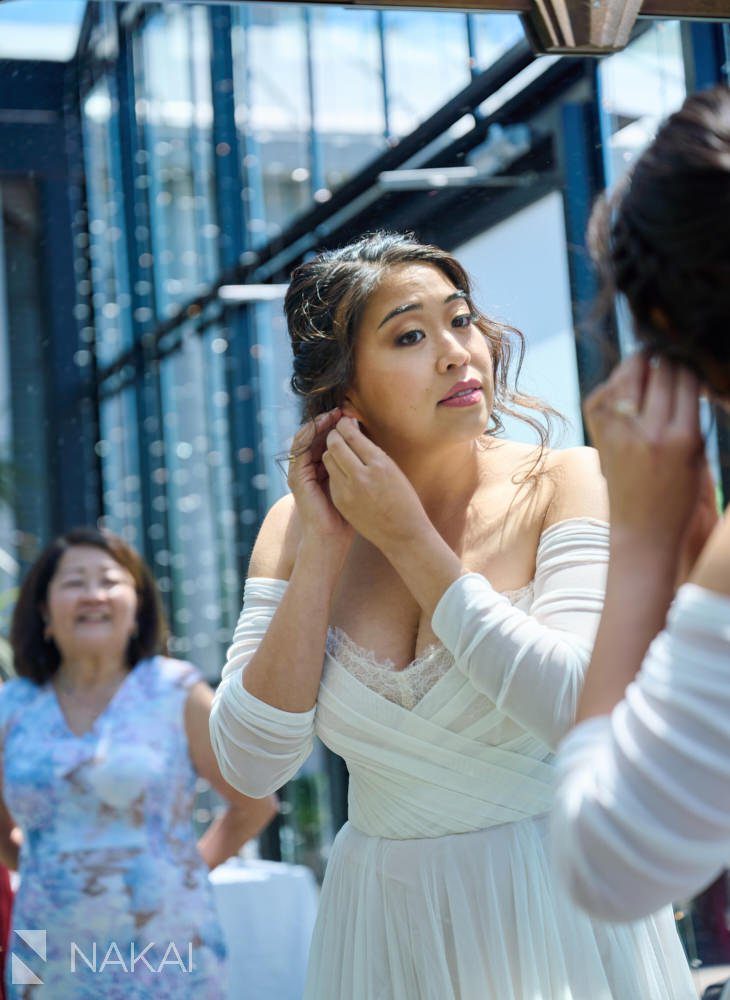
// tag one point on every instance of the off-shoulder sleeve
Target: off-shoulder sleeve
(642, 810)
(531, 665)
(258, 747)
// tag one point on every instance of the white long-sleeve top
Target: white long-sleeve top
(642, 809)
(529, 658)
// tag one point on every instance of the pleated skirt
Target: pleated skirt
(477, 916)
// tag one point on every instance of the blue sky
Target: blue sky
(42, 11)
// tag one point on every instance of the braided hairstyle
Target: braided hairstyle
(663, 238)
(325, 303)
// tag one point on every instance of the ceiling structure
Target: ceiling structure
(570, 27)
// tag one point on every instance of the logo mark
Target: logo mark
(20, 974)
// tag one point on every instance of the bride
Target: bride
(425, 601)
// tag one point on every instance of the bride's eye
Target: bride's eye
(463, 320)
(410, 337)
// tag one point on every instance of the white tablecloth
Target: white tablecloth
(267, 911)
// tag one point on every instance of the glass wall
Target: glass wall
(118, 450)
(638, 88)
(349, 112)
(204, 589)
(174, 109)
(492, 36)
(427, 62)
(110, 328)
(273, 116)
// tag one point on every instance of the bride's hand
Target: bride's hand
(308, 480)
(645, 424)
(369, 489)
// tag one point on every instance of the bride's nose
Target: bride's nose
(453, 354)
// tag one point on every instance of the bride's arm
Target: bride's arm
(531, 666)
(641, 814)
(262, 719)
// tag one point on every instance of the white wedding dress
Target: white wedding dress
(439, 886)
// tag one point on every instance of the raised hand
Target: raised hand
(308, 480)
(368, 488)
(645, 423)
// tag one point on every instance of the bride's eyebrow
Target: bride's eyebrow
(399, 310)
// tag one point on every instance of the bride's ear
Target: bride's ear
(350, 410)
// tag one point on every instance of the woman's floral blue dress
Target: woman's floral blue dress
(109, 866)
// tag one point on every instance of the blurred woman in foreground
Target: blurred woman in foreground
(642, 814)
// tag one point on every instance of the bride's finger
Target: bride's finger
(311, 436)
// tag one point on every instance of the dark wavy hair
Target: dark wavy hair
(38, 658)
(663, 238)
(325, 303)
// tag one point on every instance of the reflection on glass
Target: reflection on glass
(272, 114)
(349, 112)
(174, 106)
(200, 517)
(112, 325)
(427, 62)
(639, 87)
(278, 406)
(493, 35)
(118, 450)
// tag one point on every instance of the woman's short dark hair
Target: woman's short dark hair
(663, 238)
(38, 658)
(325, 302)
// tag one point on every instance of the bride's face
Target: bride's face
(423, 369)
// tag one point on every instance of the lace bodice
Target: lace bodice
(405, 687)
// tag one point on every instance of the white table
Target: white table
(267, 911)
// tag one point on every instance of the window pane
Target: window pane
(109, 274)
(174, 107)
(118, 451)
(272, 114)
(279, 408)
(348, 95)
(204, 584)
(639, 87)
(427, 56)
(493, 35)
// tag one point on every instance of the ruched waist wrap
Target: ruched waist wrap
(412, 777)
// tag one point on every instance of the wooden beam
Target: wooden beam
(570, 27)
(718, 10)
(701, 9)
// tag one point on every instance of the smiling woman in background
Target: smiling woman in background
(425, 600)
(102, 740)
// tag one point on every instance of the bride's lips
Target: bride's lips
(463, 394)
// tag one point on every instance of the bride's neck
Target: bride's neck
(446, 477)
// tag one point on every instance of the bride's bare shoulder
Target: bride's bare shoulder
(577, 487)
(559, 483)
(277, 542)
